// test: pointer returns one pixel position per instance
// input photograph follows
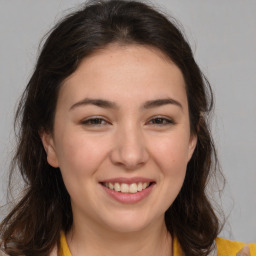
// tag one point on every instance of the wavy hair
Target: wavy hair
(34, 224)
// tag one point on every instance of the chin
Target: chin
(129, 222)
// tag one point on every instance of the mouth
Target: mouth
(130, 188)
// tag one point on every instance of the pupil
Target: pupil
(96, 121)
(158, 120)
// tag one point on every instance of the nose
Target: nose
(129, 148)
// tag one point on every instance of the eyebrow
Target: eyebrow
(97, 102)
(160, 102)
(112, 105)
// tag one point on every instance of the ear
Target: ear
(192, 145)
(49, 148)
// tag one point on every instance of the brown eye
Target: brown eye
(161, 121)
(94, 122)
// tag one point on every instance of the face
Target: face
(121, 137)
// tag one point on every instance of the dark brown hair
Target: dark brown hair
(33, 226)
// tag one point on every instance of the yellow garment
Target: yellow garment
(224, 247)
(64, 250)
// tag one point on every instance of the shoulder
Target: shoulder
(227, 247)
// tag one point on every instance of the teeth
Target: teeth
(144, 185)
(110, 185)
(117, 187)
(127, 188)
(139, 186)
(133, 188)
(124, 188)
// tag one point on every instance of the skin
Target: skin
(244, 251)
(125, 141)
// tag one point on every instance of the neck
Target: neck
(99, 240)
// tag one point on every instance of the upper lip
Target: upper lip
(127, 180)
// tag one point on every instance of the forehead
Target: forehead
(124, 72)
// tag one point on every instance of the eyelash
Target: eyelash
(163, 121)
(94, 121)
(156, 121)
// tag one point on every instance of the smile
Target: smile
(127, 188)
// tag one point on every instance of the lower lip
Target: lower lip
(129, 198)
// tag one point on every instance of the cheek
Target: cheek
(80, 156)
(79, 159)
(171, 154)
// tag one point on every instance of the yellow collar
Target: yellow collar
(64, 250)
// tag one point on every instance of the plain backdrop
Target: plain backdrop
(222, 34)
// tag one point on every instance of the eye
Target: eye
(95, 121)
(161, 121)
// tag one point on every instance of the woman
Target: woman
(114, 146)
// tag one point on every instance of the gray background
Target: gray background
(222, 34)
